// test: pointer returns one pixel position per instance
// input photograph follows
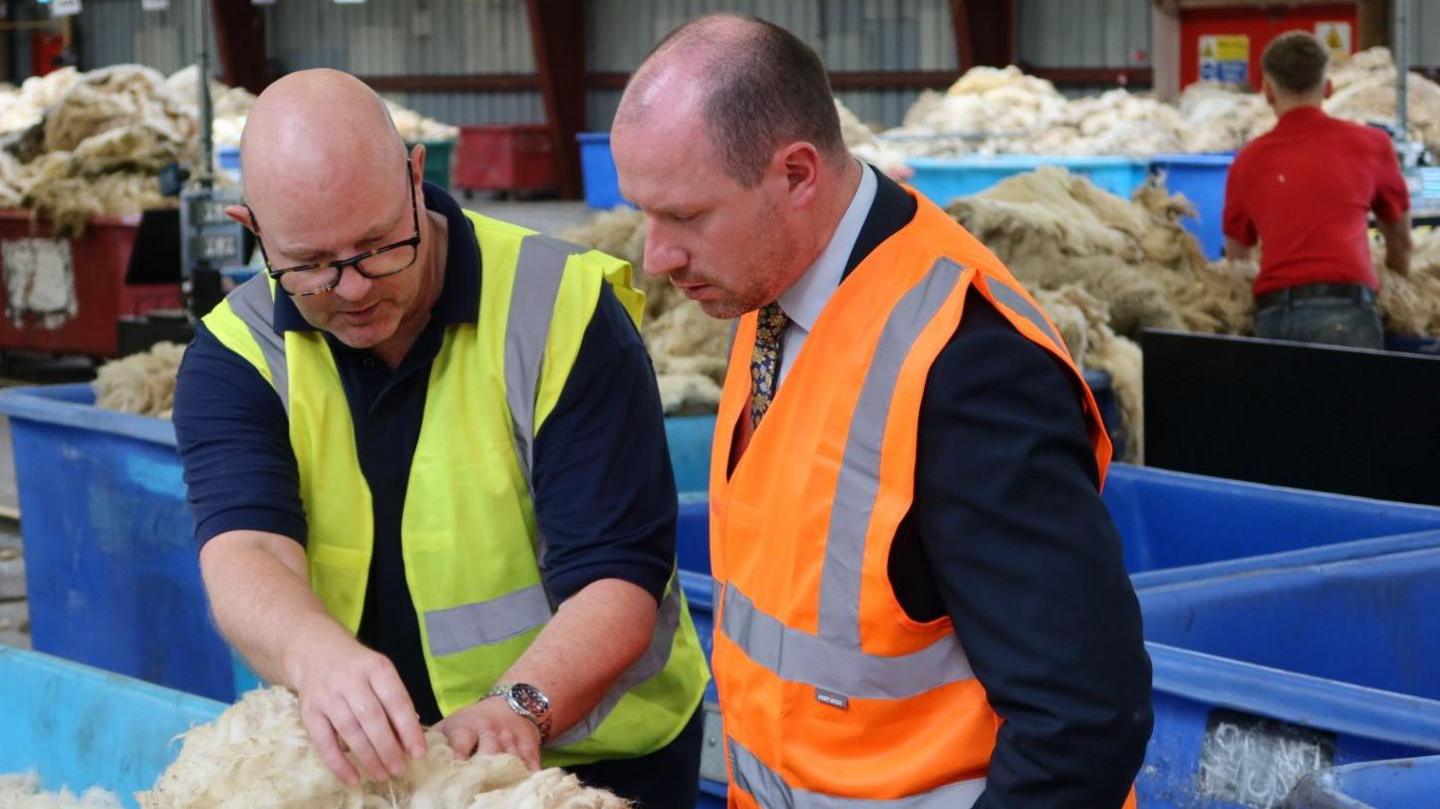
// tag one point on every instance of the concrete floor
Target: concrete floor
(546, 216)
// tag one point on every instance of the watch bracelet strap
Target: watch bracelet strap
(503, 690)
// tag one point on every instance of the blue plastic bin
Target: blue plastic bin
(1174, 519)
(1374, 785)
(1264, 676)
(79, 727)
(111, 567)
(689, 439)
(1201, 178)
(943, 179)
(227, 160)
(597, 168)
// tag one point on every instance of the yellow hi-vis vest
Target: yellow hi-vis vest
(468, 530)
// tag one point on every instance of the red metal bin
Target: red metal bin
(67, 295)
(508, 157)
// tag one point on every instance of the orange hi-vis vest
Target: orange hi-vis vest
(830, 693)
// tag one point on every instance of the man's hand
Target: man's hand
(490, 726)
(351, 698)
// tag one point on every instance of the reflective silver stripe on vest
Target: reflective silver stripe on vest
(254, 305)
(538, 272)
(651, 663)
(859, 479)
(1025, 309)
(800, 657)
(460, 628)
(771, 791)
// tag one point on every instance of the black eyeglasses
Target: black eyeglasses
(313, 279)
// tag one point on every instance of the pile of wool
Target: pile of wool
(1411, 303)
(1053, 228)
(257, 756)
(23, 108)
(228, 105)
(1113, 123)
(1003, 111)
(23, 792)
(128, 100)
(988, 110)
(96, 145)
(1365, 91)
(143, 383)
(1084, 324)
(1222, 117)
(861, 141)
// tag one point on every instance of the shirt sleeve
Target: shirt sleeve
(1392, 195)
(1029, 569)
(604, 490)
(234, 442)
(1237, 222)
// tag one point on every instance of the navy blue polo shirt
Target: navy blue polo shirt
(604, 489)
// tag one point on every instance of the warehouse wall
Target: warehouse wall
(119, 31)
(1425, 33)
(849, 35)
(1083, 33)
(425, 37)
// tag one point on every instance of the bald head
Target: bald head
(749, 85)
(321, 130)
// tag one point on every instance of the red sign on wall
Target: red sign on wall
(1222, 29)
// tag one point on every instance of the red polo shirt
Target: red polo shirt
(1304, 189)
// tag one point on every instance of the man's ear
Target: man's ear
(241, 214)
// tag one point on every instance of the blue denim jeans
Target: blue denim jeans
(1329, 321)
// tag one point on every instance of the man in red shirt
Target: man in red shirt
(1305, 190)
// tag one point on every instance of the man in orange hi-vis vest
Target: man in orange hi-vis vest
(920, 595)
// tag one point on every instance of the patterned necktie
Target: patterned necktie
(765, 360)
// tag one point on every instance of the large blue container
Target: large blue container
(1264, 676)
(689, 440)
(597, 169)
(112, 574)
(1173, 519)
(78, 727)
(1201, 178)
(1375, 785)
(943, 179)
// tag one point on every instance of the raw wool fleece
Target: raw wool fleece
(23, 792)
(1365, 91)
(988, 110)
(1052, 228)
(143, 384)
(1004, 111)
(257, 756)
(1410, 304)
(95, 147)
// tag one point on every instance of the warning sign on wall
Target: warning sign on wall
(1225, 58)
(1336, 36)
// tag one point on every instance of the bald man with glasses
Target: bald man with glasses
(426, 458)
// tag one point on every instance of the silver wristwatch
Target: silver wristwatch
(528, 701)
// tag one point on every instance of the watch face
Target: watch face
(530, 698)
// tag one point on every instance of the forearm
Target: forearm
(1397, 244)
(594, 637)
(260, 594)
(1236, 249)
